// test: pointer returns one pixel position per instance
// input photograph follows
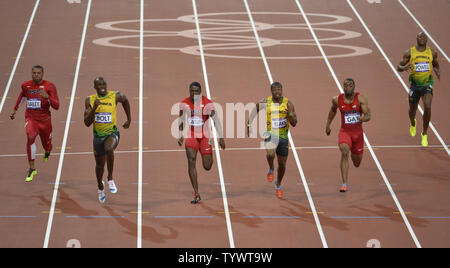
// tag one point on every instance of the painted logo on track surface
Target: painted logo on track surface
(230, 35)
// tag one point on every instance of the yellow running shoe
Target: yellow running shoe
(45, 157)
(30, 176)
(412, 129)
(424, 140)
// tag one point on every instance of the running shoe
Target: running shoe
(424, 140)
(102, 194)
(45, 157)
(30, 175)
(343, 188)
(270, 177)
(197, 199)
(412, 129)
(112, 187)
(278, 191)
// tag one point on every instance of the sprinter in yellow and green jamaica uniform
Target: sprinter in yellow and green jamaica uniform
(421, 61)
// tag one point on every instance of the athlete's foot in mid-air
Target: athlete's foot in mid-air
(412, 129)
(424, 140)
(270, 175)
(112, 186)
(344, 188)
(30, 175)
(278, 191)
(196, 199)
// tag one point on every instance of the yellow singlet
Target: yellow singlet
(421, 67)
(277, 118)
(105, 122)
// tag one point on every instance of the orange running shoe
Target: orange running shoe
(270, 177)
(279, 193)
(343, 188)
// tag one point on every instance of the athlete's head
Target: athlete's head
(277, 90)
(195, 90)
(349, 87)
(37, 73)
(100, 86)
(422, 39)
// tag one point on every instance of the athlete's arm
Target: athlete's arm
(126, 107)
(292, 115)
(218, 126)
(51, 95)
(20, 99)
(331, 114)
(436, 67)
(363, 102)
(181, 122)
(404, 65)
(89, 112)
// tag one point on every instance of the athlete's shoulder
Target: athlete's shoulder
(186, 100)
(27, 83)
(205, 100)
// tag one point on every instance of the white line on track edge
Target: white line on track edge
(141, 112)
(302, 175)
(216, 144)
(66, 131)
(8, 85)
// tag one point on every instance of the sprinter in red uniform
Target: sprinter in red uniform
(39, 96)
(196, 110)
(354, 110)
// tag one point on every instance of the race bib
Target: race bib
(279, 123)
(34, 104)
(195, 121)
(103, 118)
(422, 67)
(352, 118)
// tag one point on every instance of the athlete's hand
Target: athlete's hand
(328, 130)
(222, 143)
(43, 94)
(96, 104)
(180, 141)
(12, 115)
(127, 124)
(405, 67)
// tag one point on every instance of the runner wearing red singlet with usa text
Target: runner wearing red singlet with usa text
(354, 110)
(39, 95)
(196, 110)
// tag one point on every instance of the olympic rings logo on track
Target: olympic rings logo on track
(225, 34)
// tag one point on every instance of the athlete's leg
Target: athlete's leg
(412, 113)
(45, 133)
(270, 155)
(356, 159)
(110, 145)
(99, 170)
(191, 154)
(32, 132)
(206, 152)
(345, 151)
(281, 168)
(427, 100)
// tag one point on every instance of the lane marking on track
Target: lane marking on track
(291, 142)
(271, 217)
(141, 118)
(436, 147)
(66, 131)
(366, 140)
(19, 56)
(395, 71)
(216, 143)
(424, 30)
(183, 217)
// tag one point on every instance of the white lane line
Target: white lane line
(19, 54)
(66, 131)
(300, 169)
(216, 143)
(395, 71)
(239, 149)
(423, 29)
(141, 118)
(386, 181)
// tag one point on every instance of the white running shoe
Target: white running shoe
(112, 186)
(101, 196)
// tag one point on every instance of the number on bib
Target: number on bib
(195, 121)
(279, 123)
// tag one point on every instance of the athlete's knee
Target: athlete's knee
(345, 150)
